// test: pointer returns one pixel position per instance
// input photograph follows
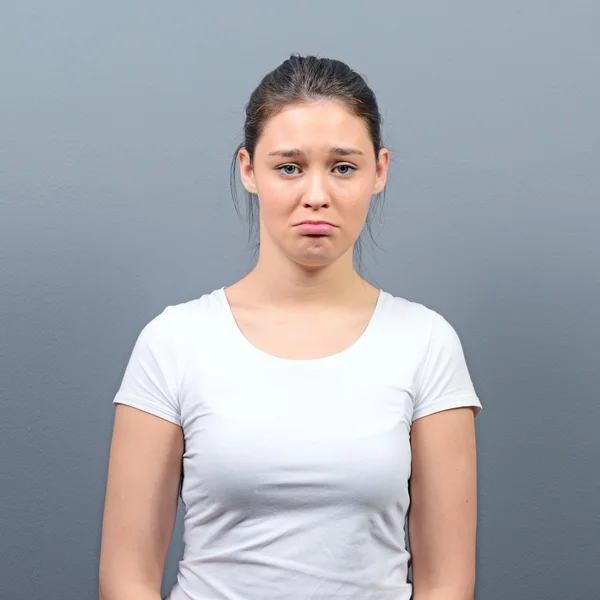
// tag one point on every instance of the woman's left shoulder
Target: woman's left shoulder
(408, 311)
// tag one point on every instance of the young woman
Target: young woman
(301, 409)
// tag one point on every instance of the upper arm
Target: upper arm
(145, 466)
(443, 488)
(443, 512)
(141, 499)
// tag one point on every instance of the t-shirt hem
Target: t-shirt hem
(448, 404)
(149, 409)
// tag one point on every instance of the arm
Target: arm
(443, 514)
(140, 506)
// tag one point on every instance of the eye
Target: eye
(287, 170)
(345, 169)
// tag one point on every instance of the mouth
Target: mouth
(315, 227)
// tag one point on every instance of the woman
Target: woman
(302, 407)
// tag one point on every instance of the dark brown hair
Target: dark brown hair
(298, 80)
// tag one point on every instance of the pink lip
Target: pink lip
(315, 227)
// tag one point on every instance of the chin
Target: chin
(317, 257)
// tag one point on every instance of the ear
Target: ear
(246, 171)
(383, 162)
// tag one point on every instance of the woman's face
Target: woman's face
(314, 172)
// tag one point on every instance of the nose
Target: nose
(316, 194)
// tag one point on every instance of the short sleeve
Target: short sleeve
(444, 381)
(150, 379)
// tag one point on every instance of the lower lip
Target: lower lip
(315, 228)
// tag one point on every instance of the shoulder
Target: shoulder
(428, 326)
(176, 321)
(442, 378)
(399, 309)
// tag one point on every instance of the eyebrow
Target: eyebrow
(335, 150)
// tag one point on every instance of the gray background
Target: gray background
(118, 121)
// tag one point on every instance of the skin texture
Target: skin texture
(140, 506)
(298, 280)
(443, 514)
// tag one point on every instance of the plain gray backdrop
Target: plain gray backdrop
(117, 125)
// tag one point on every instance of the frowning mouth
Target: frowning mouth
(315, 227)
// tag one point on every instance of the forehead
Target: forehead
(315, 125)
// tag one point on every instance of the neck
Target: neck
(279, 280)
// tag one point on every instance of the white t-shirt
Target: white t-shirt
(295, 471)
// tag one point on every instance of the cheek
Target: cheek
(356, 205)
(355, 192)
(278, 198)
(275, 202)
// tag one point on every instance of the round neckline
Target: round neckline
(323, 360)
